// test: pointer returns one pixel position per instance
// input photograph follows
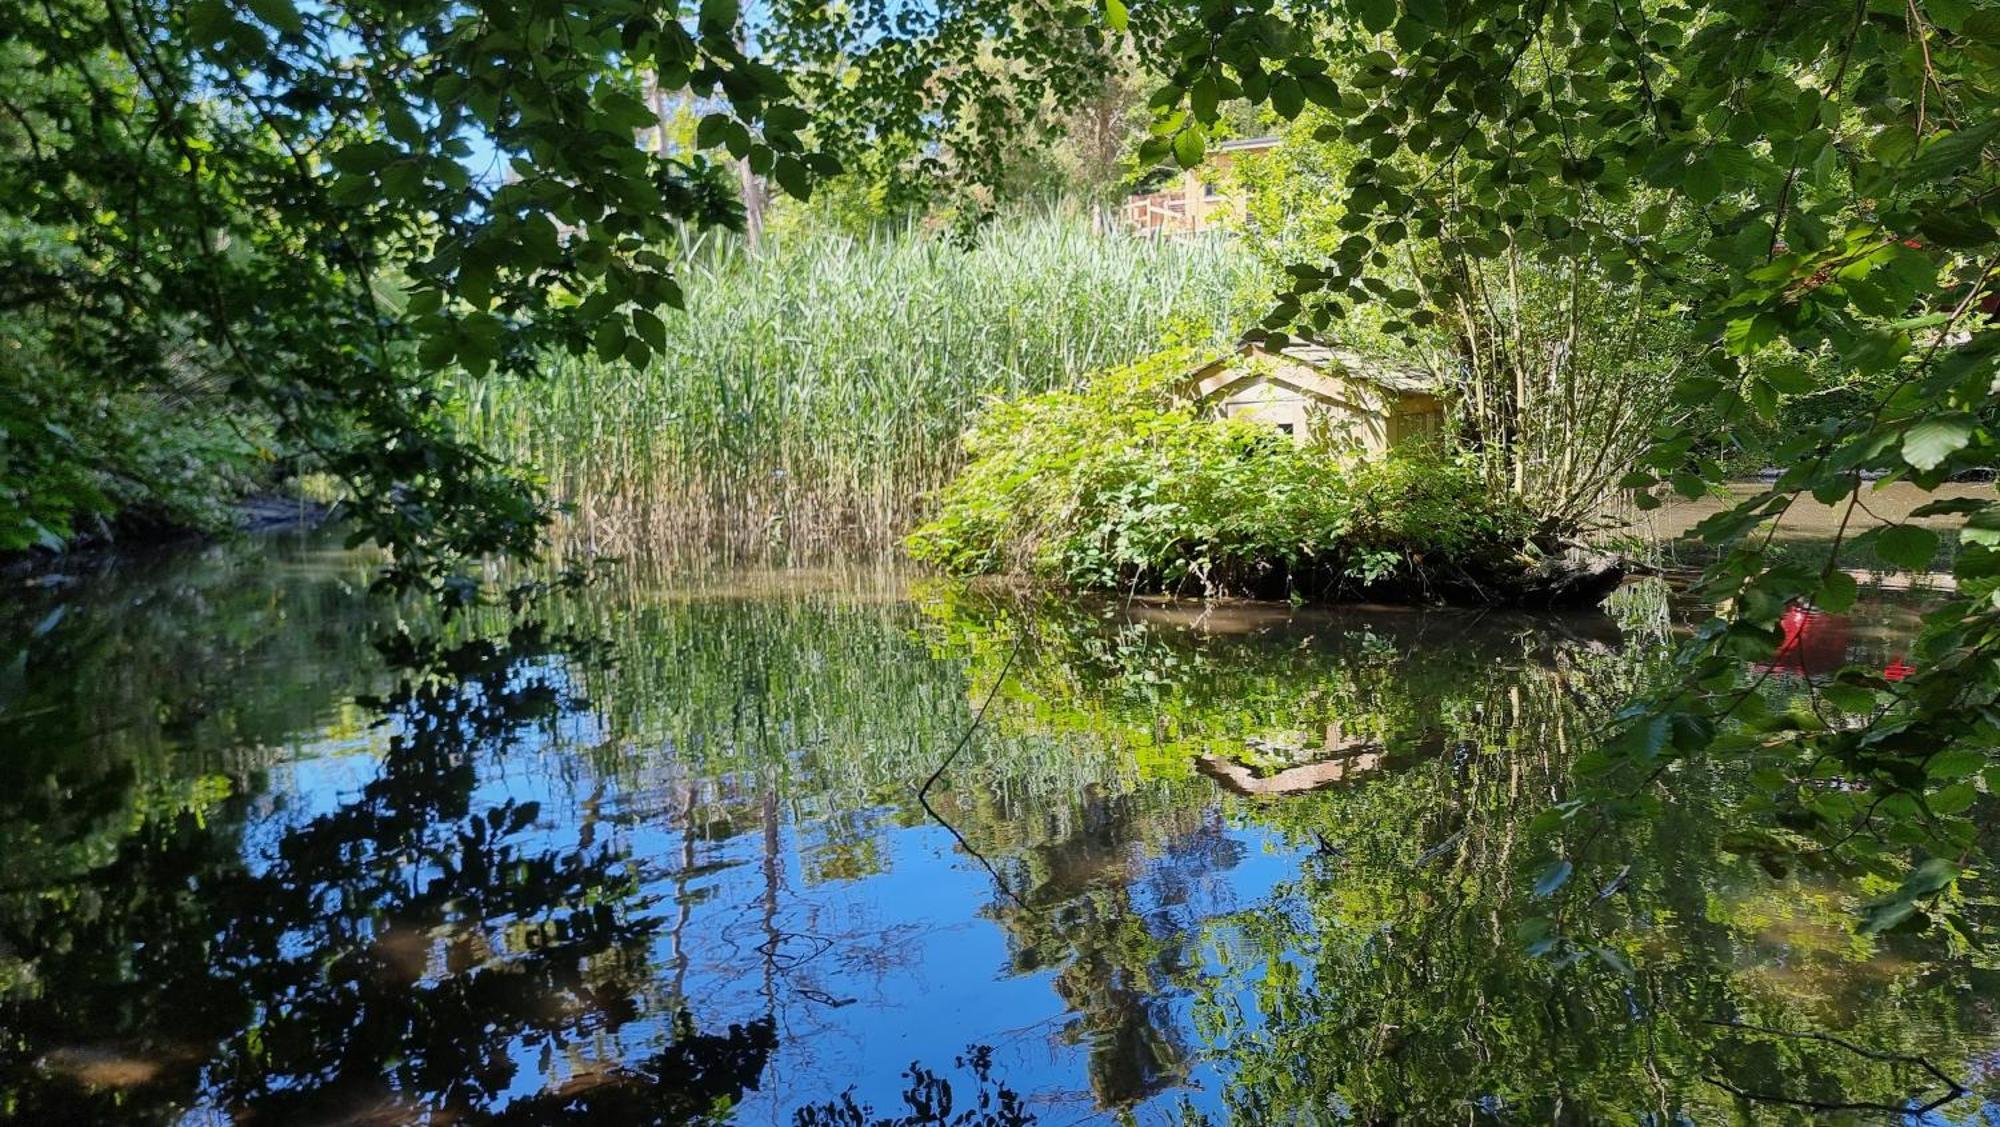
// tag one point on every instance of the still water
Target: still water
(673, 860)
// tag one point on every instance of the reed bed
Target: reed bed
(811, 395)
(824, 687)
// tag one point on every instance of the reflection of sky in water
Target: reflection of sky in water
(1123, 956)
(904, 963)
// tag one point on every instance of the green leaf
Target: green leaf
(424, 301)
(1376, 15)
(1432, 12)
(1955, 763)
(1702, 181)
(1320, 91)
(718, 17)
(1837, 592)
(791, 175)
(610, 340)
(1954, 799)
(650, 328)
(279, 14)
(1880, 917)
(1928, 442)
(1956, 228)
(1983, 25)
(1929, 877)
(1189, 147)
(1790, 379)
(1288, 97)
(1203, 97)
(436, 352)
(1951, 506)
(1850, 699)
(709, 131)
(1982, 527)
(1945, 155)
(1908, 546)
(208, 20)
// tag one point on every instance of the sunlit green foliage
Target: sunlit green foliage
(1807, 181)
(80, 454)
(1406, 966)
(1556, 372)
(1126, 483)
(813, 392)
(282, 200)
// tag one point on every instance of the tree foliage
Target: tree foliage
(294, 200)
(1556, 371)
(299, 202)
(1811, 180)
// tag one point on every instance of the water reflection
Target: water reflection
(661, 860)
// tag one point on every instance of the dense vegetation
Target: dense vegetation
(560, 876)
(1126, 484)
(1560, 373)
(813, 390)
(1400, 968)
(321, 214)
(84, 454)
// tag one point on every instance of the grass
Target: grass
(812, 395)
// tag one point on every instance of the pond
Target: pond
(837, 847)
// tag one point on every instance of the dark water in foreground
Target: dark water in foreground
(247, 879)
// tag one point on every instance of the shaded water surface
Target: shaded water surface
(1242, 863)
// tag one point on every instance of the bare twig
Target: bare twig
(1953, 1089)
(978, 717)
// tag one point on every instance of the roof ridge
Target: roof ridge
(1320, 355)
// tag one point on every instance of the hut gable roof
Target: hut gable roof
(1316, 368)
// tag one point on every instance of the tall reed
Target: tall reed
(812, 394)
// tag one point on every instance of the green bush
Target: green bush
(1121, 484)
(80, 455)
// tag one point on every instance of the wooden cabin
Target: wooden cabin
(1198, 199)
(1320, 393)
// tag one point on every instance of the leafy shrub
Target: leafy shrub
(79, 454)
(1121, 484)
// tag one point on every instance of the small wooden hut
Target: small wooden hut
(1320, 393)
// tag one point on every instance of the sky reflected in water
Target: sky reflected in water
(664, 861)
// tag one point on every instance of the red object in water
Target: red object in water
(1897, 669)
(1815, 642)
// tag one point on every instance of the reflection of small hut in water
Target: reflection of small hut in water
(1340, 759)
(1316, 392)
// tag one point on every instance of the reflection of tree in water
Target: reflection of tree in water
(1113, 965)
(1103, 893)
(1396, 975)
(173, 936)
(1271, 687)
(1100, 894)
(931, 1101)
(1411, 985)
(400, 955)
